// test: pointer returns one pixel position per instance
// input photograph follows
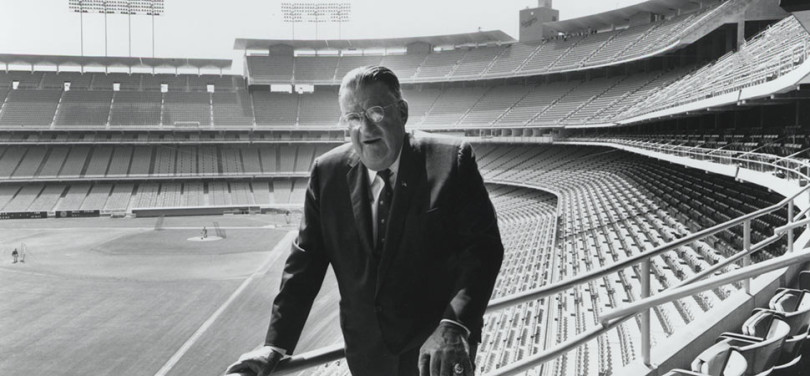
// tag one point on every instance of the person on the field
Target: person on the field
(14, 255)
(409, 230)
(204, 232)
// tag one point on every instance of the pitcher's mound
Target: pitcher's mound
(208, 239)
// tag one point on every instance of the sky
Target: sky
(207, 28)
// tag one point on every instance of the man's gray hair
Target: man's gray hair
(366, 75)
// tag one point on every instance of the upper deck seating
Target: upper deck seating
(279, 109)
(80, 107)
(103, 81)
(30, 107)
(276, 68)
(57, 80)
(316, 68)
(232, 108)
(186, 108)
(136, 108)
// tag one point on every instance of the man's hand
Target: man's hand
(446, 353)
(259, 362)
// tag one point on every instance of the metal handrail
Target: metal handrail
(612, 318)
(691, 289)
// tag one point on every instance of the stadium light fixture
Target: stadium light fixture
(150, 8)
(316, 13)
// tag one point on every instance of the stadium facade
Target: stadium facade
(600, 138)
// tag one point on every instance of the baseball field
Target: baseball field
(104, 296)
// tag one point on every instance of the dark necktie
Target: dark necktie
(383, 208)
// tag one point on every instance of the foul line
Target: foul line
(204, 327)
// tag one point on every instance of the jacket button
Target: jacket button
(378, 308)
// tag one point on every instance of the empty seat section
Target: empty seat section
(221, 83)
(57, 80)
(438, 65)
(141, 161)
(347, 63)
(452, 104)
(315, 68)
(47, 199)
(475, 61)
(207, 160)
(120, 197)
(193, 108)
(25, 196)
(319, 108)
(75, 162)
(103, 81)
(79, 107)
(232, 108)
(280, 109)
(512, 57)
(31, 162)
(282, 188)
(405, 65)
(97, 197)
(30, 107)
(7, 193)
(136, 108)
(173, 82)
(272, 68)
(53, 163)
(74, 197)
(120, 162)
(269, 158)
(186, 161)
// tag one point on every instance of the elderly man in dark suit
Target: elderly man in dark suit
(411, 234)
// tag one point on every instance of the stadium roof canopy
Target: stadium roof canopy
(475, 38)
(620, 16)
(104, 61)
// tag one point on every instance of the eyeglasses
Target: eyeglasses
(376, 114)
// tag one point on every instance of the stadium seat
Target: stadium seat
(762, 347)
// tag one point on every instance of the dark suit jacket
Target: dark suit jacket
(441, 258)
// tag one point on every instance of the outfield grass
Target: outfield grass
(107, 296)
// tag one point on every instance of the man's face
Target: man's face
(377, 144)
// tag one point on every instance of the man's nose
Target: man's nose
(368, 125)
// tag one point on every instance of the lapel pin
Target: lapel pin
(404, 184)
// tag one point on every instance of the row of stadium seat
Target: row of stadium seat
(82, 161)
(779, 141)
(131, 108)
(590, 101)
(552, 55)
(17, 198)
(105, 81)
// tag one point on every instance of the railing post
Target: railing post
(645, 316)
(746, 248)
(790, 232)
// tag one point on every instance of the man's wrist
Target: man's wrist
(276, 349)
(457, 325)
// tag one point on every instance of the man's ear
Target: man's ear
(403, 110)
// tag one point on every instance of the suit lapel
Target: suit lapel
(357, 179)
(408, 182)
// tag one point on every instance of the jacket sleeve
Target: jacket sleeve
(303, 275)
(480, 248)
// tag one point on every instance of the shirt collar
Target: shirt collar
(394, 169)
